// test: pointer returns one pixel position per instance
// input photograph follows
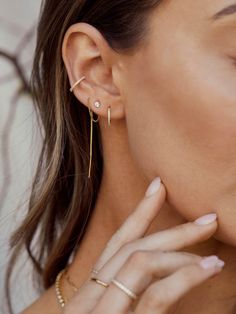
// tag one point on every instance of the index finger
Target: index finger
(137, 222)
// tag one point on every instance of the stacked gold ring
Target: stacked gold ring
(126, 290)
(100, 282)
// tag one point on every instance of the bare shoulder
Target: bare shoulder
(46, 303)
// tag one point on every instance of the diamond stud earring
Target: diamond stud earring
(97, 104)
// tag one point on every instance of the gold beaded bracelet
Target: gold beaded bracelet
(62, 301)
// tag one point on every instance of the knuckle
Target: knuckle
(127, 248)
(139, 259)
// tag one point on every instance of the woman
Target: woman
(160, 77)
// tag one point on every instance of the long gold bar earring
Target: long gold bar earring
(91, 135)
(109, 116)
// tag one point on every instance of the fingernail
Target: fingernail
(153, 187)
(220, 263)
(205, 220)
(211, 261)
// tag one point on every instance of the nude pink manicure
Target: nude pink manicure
(205, 220)
(211, 261)
(153, 187)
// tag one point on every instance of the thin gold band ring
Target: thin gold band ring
(100, 282)
(126, 290)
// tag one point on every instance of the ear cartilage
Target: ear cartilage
(76, 83)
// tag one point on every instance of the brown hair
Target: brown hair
(62, 196)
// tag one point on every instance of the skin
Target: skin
(172, 115)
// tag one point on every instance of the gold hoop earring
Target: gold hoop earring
(76, 83)
(109, 115)
(91, 136)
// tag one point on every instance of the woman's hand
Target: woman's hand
(149, 266)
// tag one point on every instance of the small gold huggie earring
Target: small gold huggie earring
(91, 136)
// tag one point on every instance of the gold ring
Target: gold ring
(120, 285)
(100, 282)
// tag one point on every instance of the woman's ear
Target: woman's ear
(86, 53)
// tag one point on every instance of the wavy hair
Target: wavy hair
(62, 196)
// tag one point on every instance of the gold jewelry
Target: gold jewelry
(97, 104)
(109, 116)
(76, 83)
(130, 293)
(70, 282)
(100, 282)
(91, 136)
(62, 301)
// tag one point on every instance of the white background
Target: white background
(19, 137)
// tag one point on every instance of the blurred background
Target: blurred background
(20, 141)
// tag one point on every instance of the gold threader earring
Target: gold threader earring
(91, 136)
(97, 104)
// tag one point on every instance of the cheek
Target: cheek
(199, 147)
(183, 128)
